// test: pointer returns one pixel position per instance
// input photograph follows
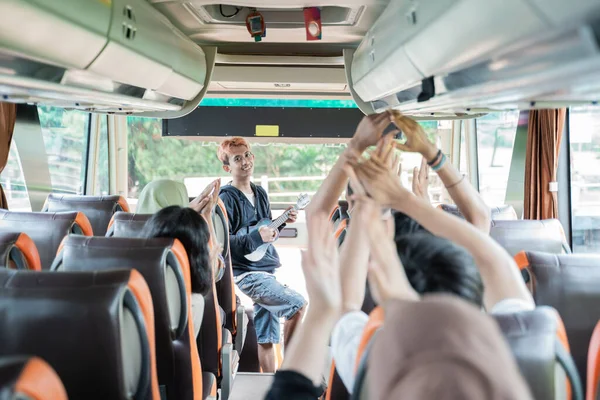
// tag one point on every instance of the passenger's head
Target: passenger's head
(442, 348)
(436, 265)
(162, 193)
(236, 157)
(191, 230)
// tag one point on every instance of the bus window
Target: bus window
(584, 130)
(102, 173)
(495, 138)
(66, 135)
(284, 170)
(13, 182)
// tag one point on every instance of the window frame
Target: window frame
(565, 205)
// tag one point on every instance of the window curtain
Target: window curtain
(544, 134)
(8, 117)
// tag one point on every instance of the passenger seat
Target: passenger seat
(98, 209)
(47, 230)
(18, 251)
(29, 378)
(570, 283)
(126, 224)
(533, 340)
(501, 213)
(530, 235)
(164, 265)
(96, 329)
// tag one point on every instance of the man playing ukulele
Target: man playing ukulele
(246, 205)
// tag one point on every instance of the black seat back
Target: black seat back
(98, 209)
(532, 337)
(47, 230)
(530, 235)
(570, 283)
(501, 213)
(18, 251)
(91, 327)
(125, 224)
(158, 262)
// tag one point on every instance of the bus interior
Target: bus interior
(101, 97)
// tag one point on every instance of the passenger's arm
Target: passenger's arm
(468, 200)
(354, 260)
(308, 348)
(387, 277)
(240, 244)
(498, 270)
(367, 134)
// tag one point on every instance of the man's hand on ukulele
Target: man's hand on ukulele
(267, 234)
(292, 216)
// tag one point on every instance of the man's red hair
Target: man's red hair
(224, 149)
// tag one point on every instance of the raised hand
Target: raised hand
(369, 131)
(420, 183)
(207, 200)
(379, 181)
(416, 139)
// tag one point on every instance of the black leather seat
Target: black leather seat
(47, 230)
(501, 213)
(125, 224)
(94, 328)
(339, 213)
(532, 337)
(570, 283)
(18, 251)
(236, 320)
(212, 335)
(98, 209)
(530, 235)
(164, 265)
(29, 378)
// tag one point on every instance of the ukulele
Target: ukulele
(260, 252)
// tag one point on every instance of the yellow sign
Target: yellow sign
(106, 2)
(267, 130)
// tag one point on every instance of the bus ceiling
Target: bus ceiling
(456, 57)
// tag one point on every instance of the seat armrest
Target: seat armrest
(242, 328)
(230, 361)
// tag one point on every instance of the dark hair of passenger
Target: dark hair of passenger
(349, 191)
(404, 225)
(436, 265)
(191, 230)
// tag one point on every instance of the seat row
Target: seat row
(550, 362)
(511, 233)
(29, 241)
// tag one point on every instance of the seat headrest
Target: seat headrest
(30, 378)
(46, 230)
(160, 266)
(18, 251)
(500, 213)
(125, 224)
(98, 209)
(530, 235)
(570, 283)
(65, 318)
